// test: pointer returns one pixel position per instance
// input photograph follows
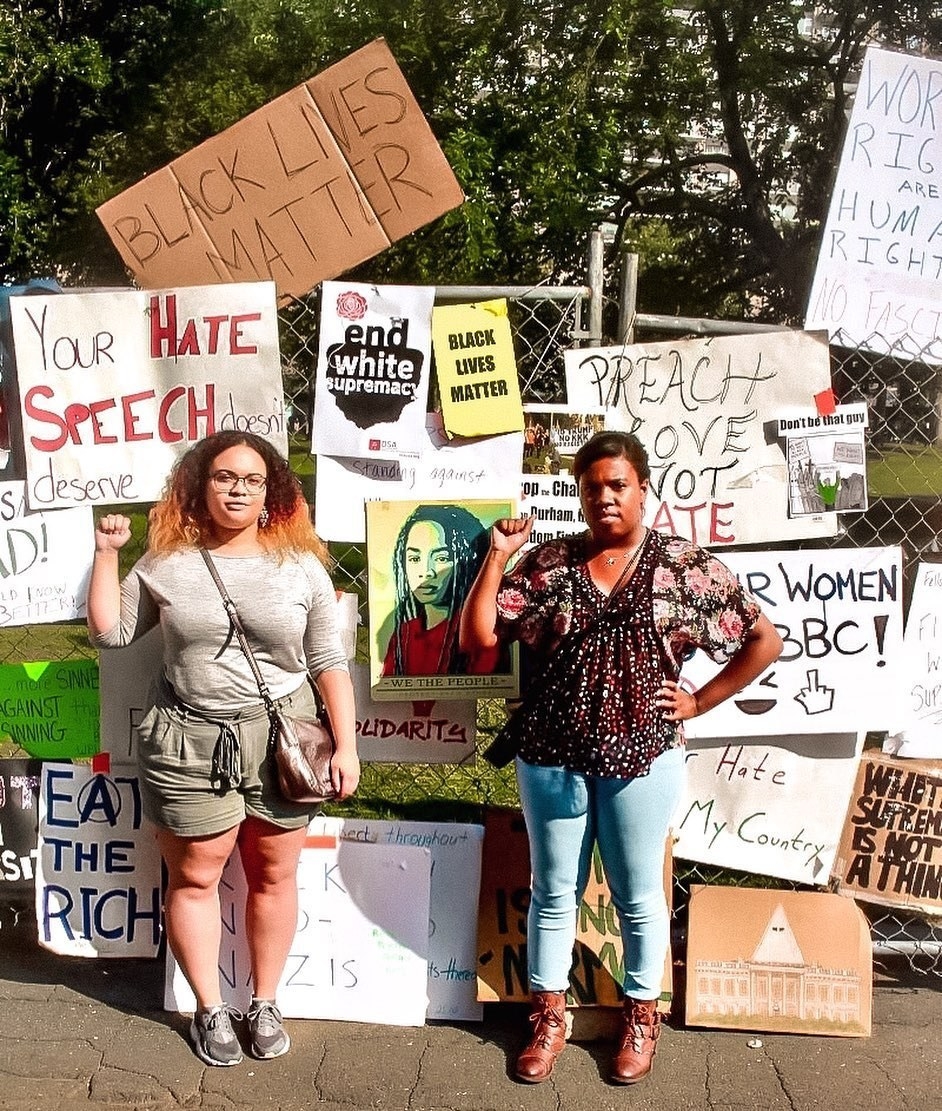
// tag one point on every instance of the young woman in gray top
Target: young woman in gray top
(205, 778)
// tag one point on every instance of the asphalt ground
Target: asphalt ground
(78, 1033)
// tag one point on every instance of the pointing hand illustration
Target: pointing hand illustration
(815, 698)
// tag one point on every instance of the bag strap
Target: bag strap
(239, 631)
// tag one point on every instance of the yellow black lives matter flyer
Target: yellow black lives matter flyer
(477, 369)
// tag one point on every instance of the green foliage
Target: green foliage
(707, 134)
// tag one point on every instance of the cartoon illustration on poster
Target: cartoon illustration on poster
(826, 454)
(422, 558)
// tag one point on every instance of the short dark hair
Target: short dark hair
(612, 445)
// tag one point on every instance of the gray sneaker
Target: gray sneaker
(213, 1037)
(268, 1036)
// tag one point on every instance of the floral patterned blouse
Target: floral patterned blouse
(592, 668)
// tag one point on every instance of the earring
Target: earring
(263, 517)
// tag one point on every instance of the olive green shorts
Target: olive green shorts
(175, 760)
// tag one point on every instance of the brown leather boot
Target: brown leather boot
(641, 1027)
(538, 1056)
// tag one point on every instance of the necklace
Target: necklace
(631, 555)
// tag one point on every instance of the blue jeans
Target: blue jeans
(566, 812)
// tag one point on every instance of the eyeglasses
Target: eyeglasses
(226, 481)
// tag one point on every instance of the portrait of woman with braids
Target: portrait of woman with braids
(437, 555)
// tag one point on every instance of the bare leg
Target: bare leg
(270, 859)
(191, 907)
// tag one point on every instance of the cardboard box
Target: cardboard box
(305, 188)
(785, 961)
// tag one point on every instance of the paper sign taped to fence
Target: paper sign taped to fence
(889, 851)
(305, 188)
(115, 386)
(360, 951)
(918, 729)
(127, 676)
(877, 283)
(552, 434)
(772, 806)
(19, 819)
(783, 961)
(840, 614)
(477, 369)
(827, 460)
(705, 409)
(373, 370)
(50, 709)
(455, 850)
(45, 560)
(423, 731)
(482, 466)
(98, 880)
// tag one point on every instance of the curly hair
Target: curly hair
(467, 541)
(181, 518)
(612, 445)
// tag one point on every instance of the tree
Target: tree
(707, 134)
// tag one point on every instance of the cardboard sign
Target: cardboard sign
(597, 971)
(19, 818)
(360, 952)
(460, 468)
(319, 180)
(423, 731)
(455, 851)
(785, 961)
(115, 386)
(45, 560)
(701, 407)
(840, 614)
(772, 806)
(373, 370)
(98, 879)
(877, 284)
(422, 559)
(918, 729)
(477, 369)
(889, 850)
(51, 709)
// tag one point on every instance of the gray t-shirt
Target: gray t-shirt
(288, 610)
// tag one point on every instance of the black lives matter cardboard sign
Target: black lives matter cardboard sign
(891, 847)
(317, 181)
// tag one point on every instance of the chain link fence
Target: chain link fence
(904, 463)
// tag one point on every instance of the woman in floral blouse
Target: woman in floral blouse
(605, 620)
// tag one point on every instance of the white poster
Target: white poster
(917, 731)
(360, 952)
(373, 370)
(45, 560)
(705, 411)
(773, 806)
(424, 731)
(114, 386)
(840, 614)
(125, 677)
(481, 467)
(455, 850)
(877, 283)
(98, 872)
